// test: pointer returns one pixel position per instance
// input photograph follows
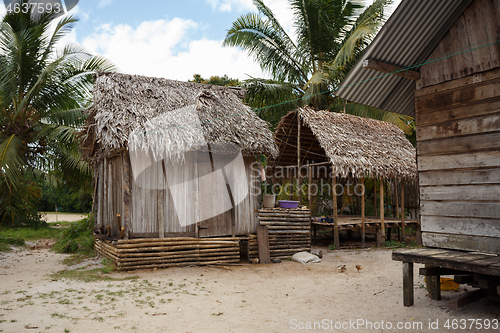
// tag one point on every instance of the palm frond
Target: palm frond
(12, 159)
(267, 46)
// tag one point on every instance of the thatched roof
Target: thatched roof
(355, 145)
(168, 115)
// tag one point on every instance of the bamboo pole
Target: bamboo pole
(396, 215)
(336, 241)
(403, 210)
(382, 222)
(196, 198)
(309, 195)
(299, 192)
(176, 239)
(363, 231)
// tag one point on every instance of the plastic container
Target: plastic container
(288, 204)
(269, 200)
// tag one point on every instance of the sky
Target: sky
(174, 39)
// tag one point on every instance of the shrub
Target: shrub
(78, 238)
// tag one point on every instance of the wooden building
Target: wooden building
(439, 61)
(337, 147)
(133, 115)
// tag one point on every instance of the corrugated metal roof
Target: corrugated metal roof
(407, 38)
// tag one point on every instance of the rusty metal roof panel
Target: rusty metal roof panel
(407, 38)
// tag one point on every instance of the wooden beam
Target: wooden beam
(382, 223)
(263, 244)
(467, 299)
(299, 192)
(336, 241)
(363, 231)
(408, 293)
(391, 69)
(433, 284)
(402, 209)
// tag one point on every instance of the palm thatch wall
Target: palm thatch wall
(171, 120)
(357, 147)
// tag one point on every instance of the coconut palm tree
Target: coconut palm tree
(43, 92)
(330, 36)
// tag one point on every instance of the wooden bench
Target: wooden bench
(481, 270)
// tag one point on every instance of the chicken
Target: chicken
(254, 261)
(319, 254)
(359, 267)
(342, 268)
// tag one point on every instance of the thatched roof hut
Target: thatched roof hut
(147, 140)
(356, 146)
(126, 103)
(350, 147)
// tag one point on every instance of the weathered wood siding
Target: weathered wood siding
(458, 149)
(109, 193)
(150, 208)
(477, 28)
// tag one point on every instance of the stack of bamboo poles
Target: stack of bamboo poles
(289, 232)
(143, 253)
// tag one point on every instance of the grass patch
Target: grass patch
(396, 245)
(76, 259)
(78, 238)
(30, 234)
(18, 236)
(90, 275)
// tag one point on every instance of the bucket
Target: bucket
(269, 200)
(289, 204)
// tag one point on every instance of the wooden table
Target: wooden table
(353, 222)
(482, 270)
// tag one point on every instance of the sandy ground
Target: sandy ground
(62, 217)
(249, 298)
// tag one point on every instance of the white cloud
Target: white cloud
(162, 48)
(228, 5)
(104, 3)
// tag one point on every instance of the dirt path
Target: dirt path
(250, 298)
(51, 217)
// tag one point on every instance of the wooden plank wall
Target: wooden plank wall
(458, 149)
(478, 26)
(110, 193)
(149, 205)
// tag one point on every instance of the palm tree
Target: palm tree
(43, 92)
(330, 36)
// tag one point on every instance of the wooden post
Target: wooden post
(336, 241)
(299, 192)
(309, 195)
(263, 244)
(433, 284)
(363, 231)
(291, 183)
(196, 198)
(127, 192)
(375, 195)
(382, 223)
(408, 296)
(402, 210)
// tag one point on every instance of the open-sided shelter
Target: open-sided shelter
(350, 146)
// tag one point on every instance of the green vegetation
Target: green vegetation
(18, 236)
(330, 35)
(216, 80)
(44, 91)
(78, 238)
